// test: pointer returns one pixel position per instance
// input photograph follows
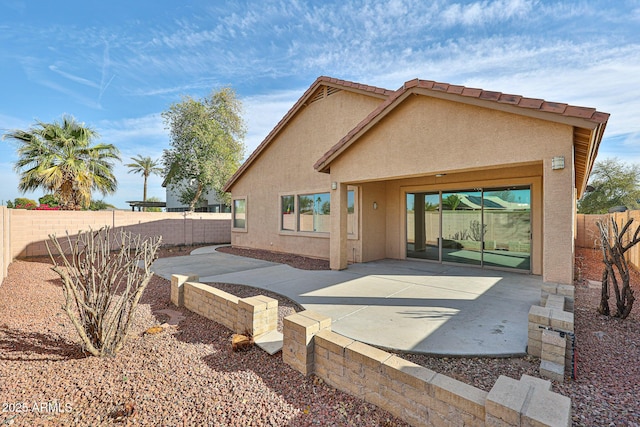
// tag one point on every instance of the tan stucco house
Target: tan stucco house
(431, 171)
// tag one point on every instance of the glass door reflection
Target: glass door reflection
(462, 228)
(507, 219)
(423, 225)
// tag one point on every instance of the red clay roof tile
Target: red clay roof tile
(472, 92)
(530, 103)
(600, 117)
(509, 99)
(457, 89)
(553, 107)
(411, 83)
(582, 112)
(490, 96)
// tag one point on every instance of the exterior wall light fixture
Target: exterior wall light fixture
(557, 162)
(375, 205)
(334, 185)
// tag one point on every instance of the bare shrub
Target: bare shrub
(614, 244)
(104, 274)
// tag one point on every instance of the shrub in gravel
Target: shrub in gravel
(614, 245)
(102, 283)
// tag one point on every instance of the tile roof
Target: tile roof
(322, 80)
(456, 92)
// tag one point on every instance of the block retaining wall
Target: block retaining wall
(254, 315)
(551, 331)
(411, 392)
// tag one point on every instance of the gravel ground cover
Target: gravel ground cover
(187, 375)
(606, 391)
(184, 376)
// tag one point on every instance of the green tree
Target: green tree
(206, 144)
(614, 183)
(452, 201)
(60, 158)
(154, 209)
(145, 166)
(99, 205)
(49, 200)
(24, 203)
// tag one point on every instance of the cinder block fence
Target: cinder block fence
(411, 392)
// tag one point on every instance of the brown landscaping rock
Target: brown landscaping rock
(188, 376)
(241, 342)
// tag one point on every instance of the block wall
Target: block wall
(551, 334)
(411, 392)
(5, 257)
(29, 230)
(254, 315)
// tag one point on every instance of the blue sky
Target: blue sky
(117, 65)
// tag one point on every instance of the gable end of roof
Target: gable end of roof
(553, 111)
(302, 101)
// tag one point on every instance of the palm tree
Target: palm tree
(60, 158)
(145, 166)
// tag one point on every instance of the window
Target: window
(240, 213)
(351, 212)
(288, 213)
(314, 212)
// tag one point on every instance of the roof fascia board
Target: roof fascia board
(353, 89)
(594, 143)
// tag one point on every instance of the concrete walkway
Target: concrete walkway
(410, 306)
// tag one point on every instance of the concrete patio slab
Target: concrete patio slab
(409, 306)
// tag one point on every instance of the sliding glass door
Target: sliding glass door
(461, 227)
(507, 220)
(423, 225)
(486, 227)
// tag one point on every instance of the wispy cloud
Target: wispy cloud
(140, 134)
(263, 112)
(73, 78)
(485, 12)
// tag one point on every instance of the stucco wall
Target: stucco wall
(423, 136)
(473, 146)
(427, 136)
(286, 167)
(374, 235)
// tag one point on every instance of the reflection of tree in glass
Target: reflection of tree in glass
(452, 202)
(477, 230)
(506, 195)
(429, 207)
(306, 204)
